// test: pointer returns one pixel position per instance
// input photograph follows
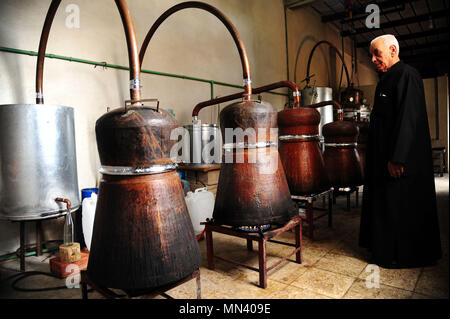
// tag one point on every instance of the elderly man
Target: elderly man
(399, 222)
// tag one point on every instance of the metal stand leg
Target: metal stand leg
(330, 210)
(38, 238)
(262, 263)
(209, 248)
(348, 201)
(357, 196)
(199, 288)
(310, 218)
(22, 246)
(298, 242)
(249, 244)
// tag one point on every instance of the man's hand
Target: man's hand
(395, 170)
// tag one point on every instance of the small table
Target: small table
(262, 237)
(136, 294)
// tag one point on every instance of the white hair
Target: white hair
(389, 40)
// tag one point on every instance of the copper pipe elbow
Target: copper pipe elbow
(231, 28)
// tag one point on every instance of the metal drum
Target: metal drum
(38, 161)
(316, 95)
(204, 145)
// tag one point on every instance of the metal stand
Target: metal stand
(347, 191)
(307, 201)
(261, 237)
(136, 294)
(22, 250)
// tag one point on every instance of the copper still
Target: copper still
(341, 157)
(300, 152)
(143, 236)
(251, 193)
(351, 101)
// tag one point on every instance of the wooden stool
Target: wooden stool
(136, 294)
(308, 203)
(261, 237)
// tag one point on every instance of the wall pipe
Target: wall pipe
(276, 85)
(230, 27)
(120, 67)
(135, 88)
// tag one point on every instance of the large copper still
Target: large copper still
(299, 150)
(142, 236)
(251, 193)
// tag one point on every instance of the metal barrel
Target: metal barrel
(37, 161)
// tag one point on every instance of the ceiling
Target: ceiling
(420, 26)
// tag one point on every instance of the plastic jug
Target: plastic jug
(200, 205)
(88, 212)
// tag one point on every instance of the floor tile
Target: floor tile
(324, 282)
(400, 278)
(341, 264)
(360, 290)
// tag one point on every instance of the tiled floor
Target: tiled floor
(333, 267)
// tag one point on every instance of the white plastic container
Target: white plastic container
(88, 213)
(200, 205)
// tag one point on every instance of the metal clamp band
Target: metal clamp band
(135, 84)
(340, 144)
(296, 93)
(139, 170)
(39, 95)
(246, 145)
(247, 82)
(303, 137)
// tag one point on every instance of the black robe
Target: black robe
(399, 222)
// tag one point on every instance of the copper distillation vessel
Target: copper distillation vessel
(143, 236)
(341, 157)
(300, 153)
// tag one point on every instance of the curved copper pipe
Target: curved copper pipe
(42, 46)
(325, 103)
(276, 85)
(337, 51)
(133, 56)
(135, 90)
(221, 17)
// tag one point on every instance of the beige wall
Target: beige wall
(305, 30)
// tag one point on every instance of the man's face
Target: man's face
(382, 56)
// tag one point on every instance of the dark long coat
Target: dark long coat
(399, 222)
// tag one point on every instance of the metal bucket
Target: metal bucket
(316, 95)
(204, 144)
(37, 161)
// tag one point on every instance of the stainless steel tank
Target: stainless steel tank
(37, 161)
(315, 95)
(204, 144)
